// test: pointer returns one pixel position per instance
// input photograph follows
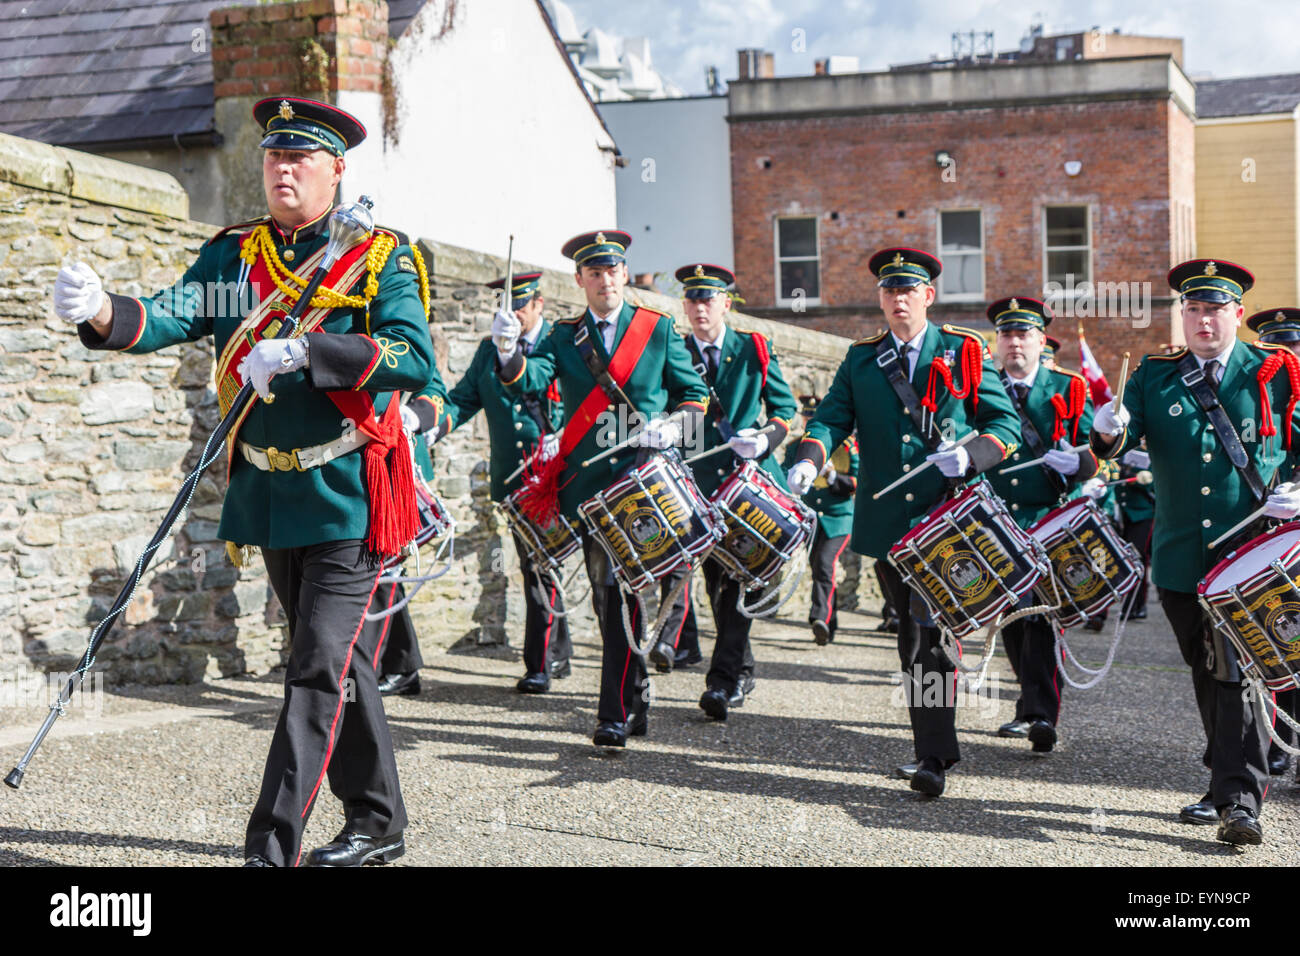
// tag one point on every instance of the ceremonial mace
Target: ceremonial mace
(349, 226)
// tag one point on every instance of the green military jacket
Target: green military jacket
(382, 350)
(1135, 502)
(833, 501)
(744, 394)
(861, 397)
(1198, 492)
(513, 432)
(1029, 493)
(430, 406)
(663, 381)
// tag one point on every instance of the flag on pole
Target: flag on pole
(1097, 384)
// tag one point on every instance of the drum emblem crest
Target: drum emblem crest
(1283, 622)
(1077, 574)
(962, 570)
(645, 529)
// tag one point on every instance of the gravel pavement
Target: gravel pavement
(802, 774)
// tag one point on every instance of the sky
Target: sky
(1222, 39)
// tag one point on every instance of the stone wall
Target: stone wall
(93, 445)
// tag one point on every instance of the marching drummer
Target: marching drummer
(1189, 406)
(624, 373)
(913, 393)
(516, 423)
(745, 382)
(1281, 327)
(1055, 415)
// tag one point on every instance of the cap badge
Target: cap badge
(1014, 304)
(600, 237)
(898, 258)
(1280, 317)
(699, 270)
(1211, 269)
(286, 111)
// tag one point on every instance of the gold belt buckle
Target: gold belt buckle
(283, 460)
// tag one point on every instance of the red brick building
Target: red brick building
(1072, 179)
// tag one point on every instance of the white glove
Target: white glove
(660, 433)
(1066, 462)
(801, 476)
(1109, 420)
(952, 461)
(829, 473)
(550, 446)
(505, 333)
(78, 293)
(747, 443)
(1136, 458)
(1094, 488)
(269, 358)
(1284, 502)
(410, 420)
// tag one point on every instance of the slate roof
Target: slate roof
(1248, 95)
(86, 72)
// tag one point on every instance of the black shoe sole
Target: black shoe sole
(928, 783)
(523, 688)
(1043, 738)
(1240, 836)
(609, 741)
(1013, 734)
(662, 663)
(821, 634)
(906, 772)
(376, 857)
(717, 709)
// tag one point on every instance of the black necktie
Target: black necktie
(904, 351)
(711, 359)
(526, 346)
(1022, 392)
(1213, 371)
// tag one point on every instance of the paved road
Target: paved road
(801, 775)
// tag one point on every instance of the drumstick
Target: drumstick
(1039, 461)
(515, 474)
(1123, 380)
(1142, 478)
(921, 467)
(1253, 516)
(705, 454)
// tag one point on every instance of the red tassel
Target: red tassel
(1279, 359)
(1069, 408)
(539, 498)
(390, 485)
(972, 363)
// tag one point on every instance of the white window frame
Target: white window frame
(1087, 218)
(777, 259)
(938, 245)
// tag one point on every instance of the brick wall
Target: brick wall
(872, 181)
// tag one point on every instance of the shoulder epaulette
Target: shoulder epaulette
(1068, 372)
(402, 238)
(1270, 346)
(871, 339)
(1172, 355)
(959, 330)
(569, 321)
(749, 332)
(239, 225)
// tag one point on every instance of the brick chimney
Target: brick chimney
(329, 50)
(757, 64)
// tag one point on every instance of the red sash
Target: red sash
(539, 497)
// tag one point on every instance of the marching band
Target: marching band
(975, 488)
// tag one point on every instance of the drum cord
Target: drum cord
(949, 644)
(388, 577)
(1263, 700)
(1063, 648)
(755, 611)
(562, 588)
(665, 608)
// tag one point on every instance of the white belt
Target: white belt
(302, 459)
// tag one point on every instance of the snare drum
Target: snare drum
(765, 526)
(652, 520)
(969, 561)
(547, 547)
(435, 519)
(1092, 565)
(1252, 599)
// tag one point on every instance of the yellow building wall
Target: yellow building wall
(1246, 205)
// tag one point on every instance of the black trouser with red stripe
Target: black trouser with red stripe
(823, 561)
(546, 634)
(1138, 534)
(1031, 648)
(679, 628)
(624, 686)
(398, 648)
(930, 677)
(1236, 739)
(332, 722)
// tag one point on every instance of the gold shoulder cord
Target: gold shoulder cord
(259, 242)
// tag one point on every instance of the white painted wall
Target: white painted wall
(674, 195)
(496, 137)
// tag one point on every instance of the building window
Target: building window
(798, 264)
(961, 247)
(1067, 248)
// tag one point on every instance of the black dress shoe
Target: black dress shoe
(1137, 614)
(357, 849)
(1201, 812)
(610, 733)
(890, 624)
(928, 778)
(1094, 624)
(907, 771)
(1240, 827)
(404, 685)
(1014, 728)
(1278, 761)
(1042, 735)
(662, 656)
(714, 703)
(535, 682)
(256, 860)
(744, 687)
(687, 656)
(561, 669)
(821, 633)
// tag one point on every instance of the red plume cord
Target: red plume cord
(1266, 372)
(972, 366)
(1069, 408)
(390, 481)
